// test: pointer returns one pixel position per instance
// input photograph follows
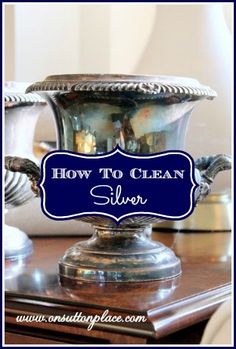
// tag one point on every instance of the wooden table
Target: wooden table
(176, 310)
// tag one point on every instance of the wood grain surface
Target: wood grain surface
(170, 306)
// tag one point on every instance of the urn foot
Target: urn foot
(119, 254)
(17, 245)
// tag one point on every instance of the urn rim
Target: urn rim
(14, 95)
(149, 85)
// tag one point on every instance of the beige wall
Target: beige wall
(9, 38)
(46, 40)
(130, 32)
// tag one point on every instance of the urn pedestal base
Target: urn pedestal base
(119, 254)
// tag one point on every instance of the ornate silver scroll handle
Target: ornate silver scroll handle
(25, 166)
(208, 167)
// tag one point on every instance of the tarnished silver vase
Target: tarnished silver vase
(142, 114)
(21, 114)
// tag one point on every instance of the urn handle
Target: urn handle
(25, 166)
(208, 167)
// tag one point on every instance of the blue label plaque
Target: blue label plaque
(117, 185)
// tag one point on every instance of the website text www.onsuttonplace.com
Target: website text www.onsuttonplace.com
(90, 320)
